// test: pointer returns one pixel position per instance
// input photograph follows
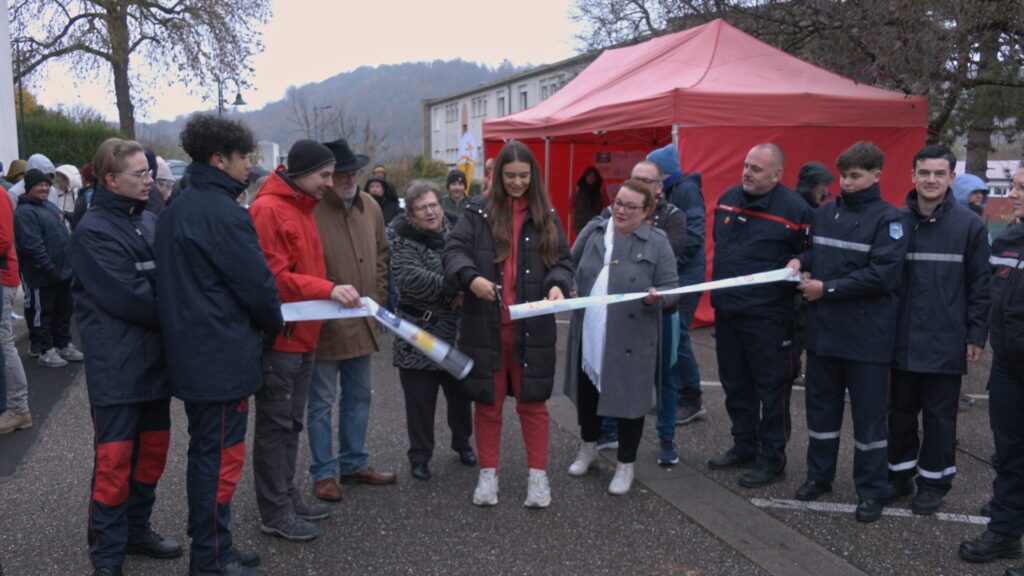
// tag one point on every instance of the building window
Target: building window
(437, 119)
(451, 113)
(523, 100)
(501, 106)
(543, 92)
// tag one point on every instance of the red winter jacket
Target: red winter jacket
(9, 274)
(288, 235)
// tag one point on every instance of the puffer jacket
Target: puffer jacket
(470, 252)
(944, 295)
(684, 191)
(1007, 319)
(283, 217)
(388, 202)
(217, 295)
(424, 297)
(115, 303)
(41, 239)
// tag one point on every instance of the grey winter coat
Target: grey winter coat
(422, 290)
(630, 371)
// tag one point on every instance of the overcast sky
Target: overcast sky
(311, 40)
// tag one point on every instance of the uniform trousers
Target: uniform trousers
(216, 454)
(755, 361)
(936, 398)
(828, 380)
(420, 388)
(1005, 406)
(130, 443)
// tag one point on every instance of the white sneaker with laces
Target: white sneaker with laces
(70, 353)
(585, 458)
(622, 480)
(51, 359)
(538, 492)
(486, 493)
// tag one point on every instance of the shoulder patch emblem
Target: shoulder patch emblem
(896, 230)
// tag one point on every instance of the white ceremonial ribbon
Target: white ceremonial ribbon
(440, 352)
(595, 318)
(542, 307)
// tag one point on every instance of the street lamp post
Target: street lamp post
(220, 96)
(316, 120)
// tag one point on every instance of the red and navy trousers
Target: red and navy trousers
(130, 444)
(216, 453)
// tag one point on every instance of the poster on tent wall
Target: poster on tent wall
(615, 167)
(467, 157)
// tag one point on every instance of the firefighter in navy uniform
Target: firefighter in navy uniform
(126, 374)
(1001, 538)
(217, 295)
(943, 325)
(760, 225)
(852, 287)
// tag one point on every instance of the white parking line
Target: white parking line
(850, 508)
(716, 384)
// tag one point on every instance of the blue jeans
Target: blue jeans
(353, 416)
(688, 375)
(666, 424)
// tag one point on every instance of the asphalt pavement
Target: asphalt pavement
(684, 520)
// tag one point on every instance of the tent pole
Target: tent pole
(547, 163)
(675, 135)
(572, 189)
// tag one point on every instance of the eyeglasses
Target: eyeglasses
(141, 174)
(648, 181)
(432, 207)
(627, 208)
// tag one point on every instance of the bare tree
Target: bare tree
(330, 121)
(198, 42)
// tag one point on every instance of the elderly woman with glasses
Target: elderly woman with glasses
(613, 364)
(428, 301)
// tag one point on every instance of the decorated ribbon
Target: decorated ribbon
(440, 352)
(542, 307)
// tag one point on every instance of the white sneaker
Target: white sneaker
(51, 359)
(11, 421)
(585, 458)
(623, 479)
(70, 353)
(538, 492)
(486, 493)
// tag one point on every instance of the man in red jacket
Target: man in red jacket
(288, 235)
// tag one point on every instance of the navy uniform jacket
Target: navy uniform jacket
(858, 244)
(757, 234)
(1007, 319)
(41, 240)
(114, 289)
(216, 291)
(944, 294)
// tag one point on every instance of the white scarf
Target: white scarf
(595, 319)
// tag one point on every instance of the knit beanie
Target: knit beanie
(308, 156)
(667, 159)
(812, 174)
(33, 177)
(456, 176)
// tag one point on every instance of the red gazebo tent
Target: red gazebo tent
(716, 92)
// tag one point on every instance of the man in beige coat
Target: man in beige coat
(356, 253)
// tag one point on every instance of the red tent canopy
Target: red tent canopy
(716, 92)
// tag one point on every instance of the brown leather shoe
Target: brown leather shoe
(368, 476)
(327, 489)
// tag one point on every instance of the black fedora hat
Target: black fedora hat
(347, 161)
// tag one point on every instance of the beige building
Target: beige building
(447, 118)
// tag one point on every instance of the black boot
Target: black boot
(108, 571)
(153, 545)
(812, 490)
(897, 488)
(990, 546)
(869, 510)
(926, 502)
